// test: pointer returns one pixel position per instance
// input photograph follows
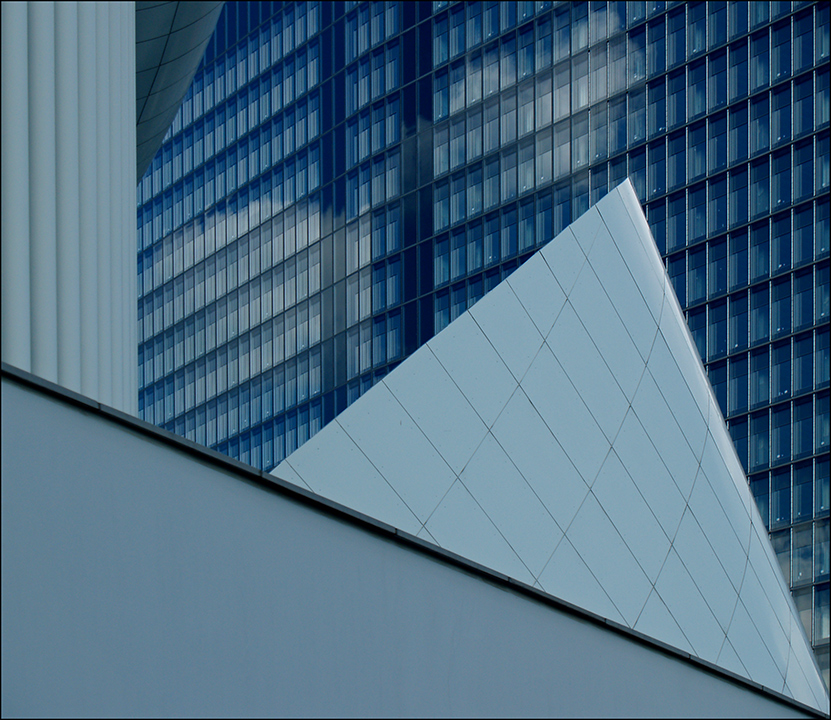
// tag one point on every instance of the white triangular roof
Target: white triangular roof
(563, 432)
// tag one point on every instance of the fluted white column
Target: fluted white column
(102, 88)
(68, 196)
(130, 294)
(116, 199)
(42, 191)
(15, 329)
(88, 198)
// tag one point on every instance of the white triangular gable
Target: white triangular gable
(563, 432)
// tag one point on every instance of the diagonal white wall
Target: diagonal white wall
(145, 576)
(563, 432)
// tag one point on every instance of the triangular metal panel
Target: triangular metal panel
(563, 432)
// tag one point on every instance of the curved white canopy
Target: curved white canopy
(170, 41)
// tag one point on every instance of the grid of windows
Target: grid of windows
(343, 180)
(231, 257)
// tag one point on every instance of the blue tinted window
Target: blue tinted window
(738, 341)
(676, 46)
(677, 269)
(717, 331)
(738, 384)
(759, 315)
(676, 99)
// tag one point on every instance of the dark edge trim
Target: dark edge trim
(328, 507)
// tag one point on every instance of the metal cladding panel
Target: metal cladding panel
(563, 432)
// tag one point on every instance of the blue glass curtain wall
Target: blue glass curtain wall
(344, 179)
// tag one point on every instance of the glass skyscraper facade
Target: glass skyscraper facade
(345, 179)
